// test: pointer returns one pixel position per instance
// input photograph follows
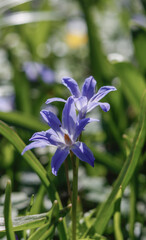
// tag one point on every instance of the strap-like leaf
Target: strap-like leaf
(7, 213)
(33, 221)
(117, 216)
(22, 120)
(33, 162)
(106, 210)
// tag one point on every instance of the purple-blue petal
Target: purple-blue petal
(81, 125)
(50, 136)
(58, 158)
(35, 145)
(104, 106)
(51, 119)
(69, 117)
(83, 153)
(88, 89)
(55, 99)
(102, 92)
(81, 105)
(72, 85)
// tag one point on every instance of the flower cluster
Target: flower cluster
(65, 135)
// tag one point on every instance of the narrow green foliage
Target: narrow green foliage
(36, 207)
(33, 162)
(7, 213)
(30, 205)
(23, 120)
(25, 222)
(51, 218)
(132, 82)
(28, 213)
(117, 216)
(37, 220)
(97, 57)
(106, 210)
(132, 216)
(48, 234)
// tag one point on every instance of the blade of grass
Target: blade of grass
(20, 18)
(132, 83)
(132, 215)
(7, 4)
(101, 68)
(7, 213)
(107, 208)
(33, 162)
(117, 216)
(32, 221)
(23, 120)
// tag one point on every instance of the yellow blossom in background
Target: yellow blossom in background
(76, 40)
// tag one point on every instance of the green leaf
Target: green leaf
(139, 40)
(95, 237)
(106, 210)
(53, 216)
(29, 157)
(132, 82)
(7, 4)
(29, 17)
(25, 222)
(7, 213)
(36, 207)
(23, 120)
(100, 66)
(33, 162)
(33, 221)
(48, 234)
(117, 216)
(133, 202)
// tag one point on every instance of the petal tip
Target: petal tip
(54, 171)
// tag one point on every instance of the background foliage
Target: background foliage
(106, 39)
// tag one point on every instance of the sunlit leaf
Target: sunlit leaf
(32, 221)
(20, 18)
(7, 4)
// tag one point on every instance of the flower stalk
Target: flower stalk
(67, 179)
(75, 164)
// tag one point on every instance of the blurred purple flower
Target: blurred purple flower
(64, 136)
(87, 99)
(16, 237)
(34, 70)
(6, 103)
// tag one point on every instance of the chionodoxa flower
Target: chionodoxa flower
(63, 135)
(86, 99)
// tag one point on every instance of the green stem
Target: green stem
(75, 163)
(67, 179)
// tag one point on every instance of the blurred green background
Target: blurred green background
(42, 41)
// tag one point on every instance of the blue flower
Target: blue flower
(64, 136)
(86, 99)
(34, 70)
